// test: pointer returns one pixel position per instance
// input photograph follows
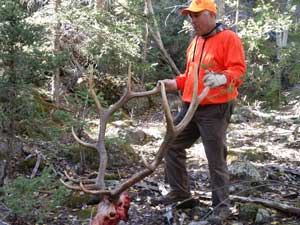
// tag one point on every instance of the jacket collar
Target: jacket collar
(217, 29)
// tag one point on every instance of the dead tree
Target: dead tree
(112, 197)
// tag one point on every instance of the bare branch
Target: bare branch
(37, 164)
(272, 204)
(157, 38)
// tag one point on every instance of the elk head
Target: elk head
(110, 212)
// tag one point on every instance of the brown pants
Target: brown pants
(210, 122)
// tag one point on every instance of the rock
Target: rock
(235, 118)
(247, 212)
(135, 136)
(125, 131)
(120, 152)
(256, 154)
(242, 114)
(244, 170)
(262, 216)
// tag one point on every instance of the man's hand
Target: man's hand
(214, 80)
(170, 84)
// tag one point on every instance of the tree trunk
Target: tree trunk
(237, 14)
(145, 45)
(157, 38)
(221, 8)
(56, 48)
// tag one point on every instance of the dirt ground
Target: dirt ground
(263, 160)
(268, 140)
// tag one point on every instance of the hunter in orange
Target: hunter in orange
(220, 55)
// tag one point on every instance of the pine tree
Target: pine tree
(22, 66)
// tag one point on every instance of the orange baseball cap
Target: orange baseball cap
(200, 5)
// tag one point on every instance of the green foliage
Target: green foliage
(150, 85)
(120, 153)
(23, 65)
(39, 118)
(24, 198)
(113, 37)
(62, 116)
(270, 68)
(18, 44)
(175, 41)
(116, 37)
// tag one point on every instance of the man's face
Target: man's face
(203, 22)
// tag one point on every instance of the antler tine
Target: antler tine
(91, 189)
(70, 178)
(129, 78)
(94, 190)
(194, 103)
(93, 94)
(86, 185)
(173, 131)
(145, 163)
(77, 181)
(89, 182)
(165, 103)
(131, 181)
(129, 94)
(70, 186)
(83, 142)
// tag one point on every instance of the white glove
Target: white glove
(214, 80)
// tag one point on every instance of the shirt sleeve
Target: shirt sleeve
(181, 78)
(234, 60)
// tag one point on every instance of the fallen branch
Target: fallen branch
(268, 203)
(37, 164)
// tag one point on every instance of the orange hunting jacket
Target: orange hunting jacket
(222, 53)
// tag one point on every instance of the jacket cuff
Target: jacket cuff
(180, 80)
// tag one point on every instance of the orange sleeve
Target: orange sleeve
(234, 60)
(181, 78)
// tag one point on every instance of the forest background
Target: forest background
(48, 48)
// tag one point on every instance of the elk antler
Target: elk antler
(104, 114)
(172, 132)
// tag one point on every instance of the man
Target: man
(220, 56)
